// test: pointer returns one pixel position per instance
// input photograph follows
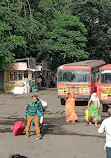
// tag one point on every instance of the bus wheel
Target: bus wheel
(62, 101)
(105, 108)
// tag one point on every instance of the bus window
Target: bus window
(60, 76)
(66, 76)
(106, 76)
(74, 76)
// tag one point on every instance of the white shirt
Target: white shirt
(106, 127)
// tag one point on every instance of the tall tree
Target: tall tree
(65, 41)
(11, 28)
(42, 29)
(19, 31)
(96, 15)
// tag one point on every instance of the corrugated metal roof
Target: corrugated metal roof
(91, 63)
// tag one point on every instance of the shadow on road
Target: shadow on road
(52, 126)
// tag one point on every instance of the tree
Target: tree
(19, 31)
(41, 29)
(11, 29)
(95, 14)
(65, 41)
(59, 43)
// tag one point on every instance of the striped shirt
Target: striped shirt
(32, 108)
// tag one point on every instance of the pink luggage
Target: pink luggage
(18, 128)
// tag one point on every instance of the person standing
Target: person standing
(39, 82)
(70, 107)
(106, 127)
(94, 108)
(31, 114)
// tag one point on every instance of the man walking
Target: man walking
(106, 127)
(31, 114)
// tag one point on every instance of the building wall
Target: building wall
(9, 84)
(9, 87)
(18, 66)
(18, 74)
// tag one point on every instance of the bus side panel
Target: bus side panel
(104, 93)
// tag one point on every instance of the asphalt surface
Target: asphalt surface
(60, 139)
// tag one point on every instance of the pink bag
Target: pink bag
(18, 128)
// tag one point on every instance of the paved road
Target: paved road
(60, 139)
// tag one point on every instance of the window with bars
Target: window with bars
(15, 76)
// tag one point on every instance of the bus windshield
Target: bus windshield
(74, 76)
(106, 76)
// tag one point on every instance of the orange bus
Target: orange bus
(104, 86)
(78, 77)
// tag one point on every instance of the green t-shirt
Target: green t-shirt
(32, 108)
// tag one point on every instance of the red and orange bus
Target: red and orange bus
(104, 86)
(79, 77)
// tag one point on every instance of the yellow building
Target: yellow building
(17, 76)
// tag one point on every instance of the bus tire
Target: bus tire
(105, 107)
(62, 101)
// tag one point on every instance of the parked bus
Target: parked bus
(104, 86)
(79, 77)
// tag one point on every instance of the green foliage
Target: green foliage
(66, 40)
(18, 30)
(61, 38)
(97, 19)
(11, 26)
(61, 31)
